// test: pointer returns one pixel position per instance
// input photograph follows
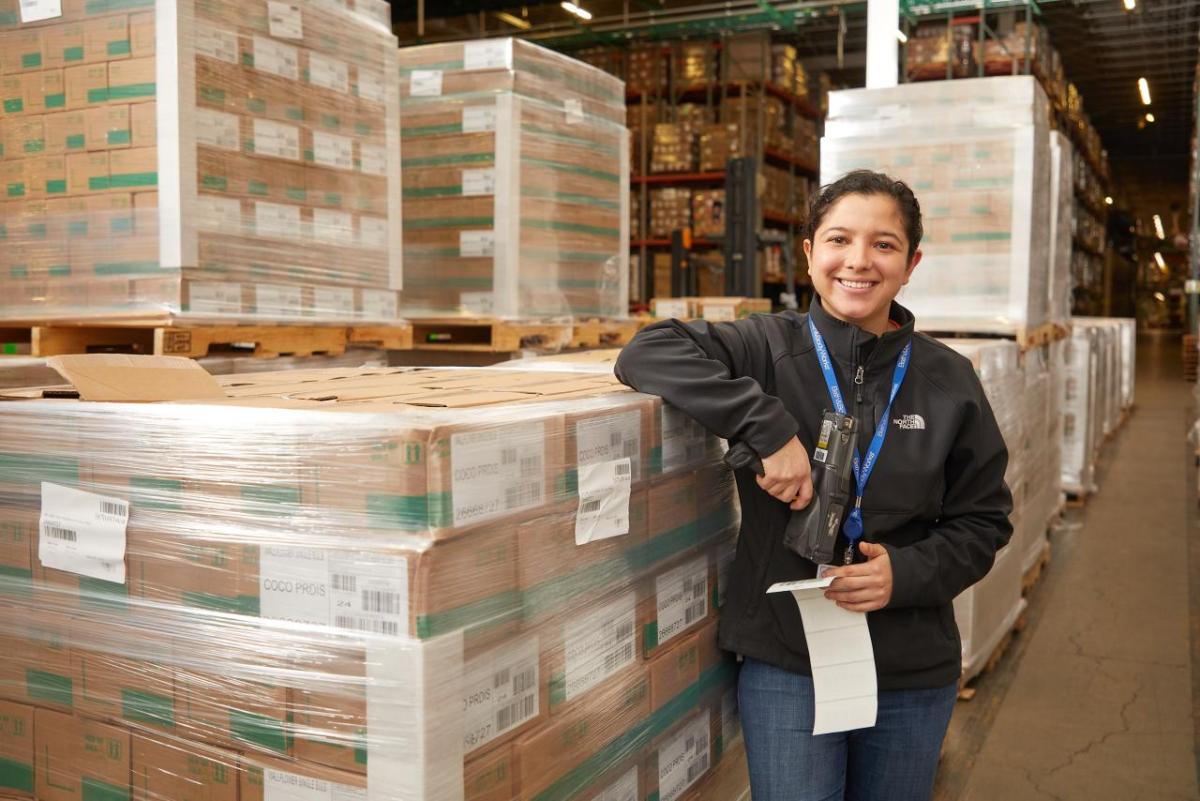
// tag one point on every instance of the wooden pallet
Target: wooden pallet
(488, 335)
(197, 341)
(1027, 339)
(966, 691)
(1034, 574)
(603, 333)
(1076, 498)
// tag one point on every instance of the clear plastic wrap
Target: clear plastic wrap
(976, 153)
(1040, 452)
(1080, 357)
(1062, 224)
(388, 585)
(207, 159)
(516, 183)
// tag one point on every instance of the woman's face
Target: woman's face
(858, 259)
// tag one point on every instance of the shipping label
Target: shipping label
(280, 785)
(276, 139)
(682, 598)
(573, 108)
(370, 86)
(488, 55)
(82, 532)
(604, 490)
(331, 150)
(425, 83)
(719, 312)
(278, 220)
(329, 73)
(333, 302)
(214, 297)
(497, 471)
(479, 119)
(684, 441)
(284, 20)
(276, 58)
(379, 304)
(615, 436)
(373, 231)
(278, 300)
(623, 789)
(332, 226)
(373, 159)
(668, 308)
(476, 243)
(218, 214)
(217, 129)
(479, 182)
(600, 644)
(683, 759)
(38, 10)
(216, 43)
(500, 692)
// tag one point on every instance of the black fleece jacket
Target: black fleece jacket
(937, 499)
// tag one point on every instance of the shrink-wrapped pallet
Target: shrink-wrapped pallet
(206, 158)
(1080, 366)
(381, 584)
(1062, 223)
(976, 153)
(516, 183)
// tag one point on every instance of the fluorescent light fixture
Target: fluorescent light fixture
(1158, 228)
(578, 11)
(1162, 265)
(516, 22)
(902, 36)
(1130, 5)
(1143, 89)
(1160, 297)
(1108, 201)
(1149, 117)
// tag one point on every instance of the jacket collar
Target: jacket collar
(852, 346)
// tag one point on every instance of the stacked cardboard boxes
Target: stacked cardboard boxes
(516, 180)
(670, 209)
(249, 170)
(479, 584)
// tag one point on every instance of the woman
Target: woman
(933, 513)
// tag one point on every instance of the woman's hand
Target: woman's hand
(787, 475)
(866, 586)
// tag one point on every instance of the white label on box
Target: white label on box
(379, 304)
(335, 227)
(573, 107)
(370, 86)
(682, 598)
(293, 584)
(476, 243)
(217, 43)
(217, 129)
(284, 20)
(683, 759)
(479, 119)
(214, 297)
(83, 532)
(218, 214)
(603, 501)
(328, 73)
(731, 726)
(600, 644)
(623, 789)
(313, 586)
(614, 436)
(38, 10)
(720, 312)
(666, 308)
(373, 159)
(479, 182)
(425, 83)
(331, 150)
(373, 231)
(477, 302)
(276, 139)
(497, 471)
(333, 302)
(280, 785)
(490, 54)
(276, 58)
(500, 692)
(279, 220)
(684, 440)
(278, 300)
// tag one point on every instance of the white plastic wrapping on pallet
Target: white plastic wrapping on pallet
(976, 153)
(988, 610)
(1080, 365)
(1123, 333)
(1062, 225)
(1109, 377)
(1041, 452)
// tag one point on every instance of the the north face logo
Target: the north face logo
(910, 422)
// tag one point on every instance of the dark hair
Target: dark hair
(866, 182)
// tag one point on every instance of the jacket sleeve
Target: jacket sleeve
(974, 525)
(716, 373)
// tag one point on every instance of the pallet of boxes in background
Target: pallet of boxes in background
(384, 583)
(206, 160)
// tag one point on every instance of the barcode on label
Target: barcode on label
(590, 506)
(614, 439)
(522, 495)
(615, 659)
(524, 680)
(515, 712)
(508, 456)
(530, 465)
(344, 583)
(697, 768)
(500, 679)
(57, 533)
(625, 631)
(693, 613)
(111, 508)
(629, 448)
(381, 601)
(623, 469)
(388, 627)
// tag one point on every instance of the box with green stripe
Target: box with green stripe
(80, 759)
(173, 768)
(16, 749)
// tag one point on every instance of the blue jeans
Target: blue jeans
(894, 761)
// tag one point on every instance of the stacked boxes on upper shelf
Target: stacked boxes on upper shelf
(516, 183)
(210, 158)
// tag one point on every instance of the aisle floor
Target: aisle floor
(1095, 698)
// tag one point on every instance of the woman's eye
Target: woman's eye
(885, 245)
(837, 240)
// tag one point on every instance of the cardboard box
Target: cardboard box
(106, 38)
(87, 173)
(24, 137)
(268, 779)
(115, 687)
(16, 750)
(64, 45)
(182, 771)
(85, 85)
(66, 132)
(131, 80)
(14, 177)
(233, 711)
(674, 670)
(490, 776)
(108, 127)
(41, 663)
(143, 124)
(676, 762)
(21, 50)
(18, 529)
(132, 169)
(79, 758)
(677, 598)
(141, 34)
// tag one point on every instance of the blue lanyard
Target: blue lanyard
(853, 527)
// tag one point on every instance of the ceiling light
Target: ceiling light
(902, 36)
(1149, 117)
(1143, 88)
(1130, 5)
(578, 11)
(516, 22)
(1108, 201)
(1160, 297)
(1158, 228)
(1162, 265)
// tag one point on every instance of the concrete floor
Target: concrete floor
(1095, 698)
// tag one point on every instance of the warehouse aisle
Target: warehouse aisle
(1095, 700)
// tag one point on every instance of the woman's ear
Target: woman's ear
(807, 247)
(912, 265)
